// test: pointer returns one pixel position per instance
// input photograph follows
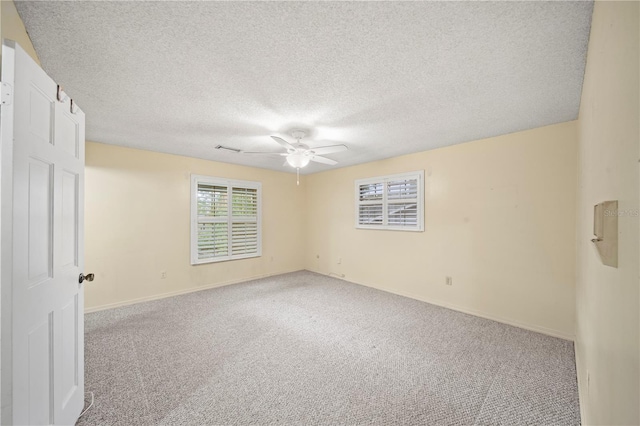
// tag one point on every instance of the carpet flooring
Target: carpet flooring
(306, 349)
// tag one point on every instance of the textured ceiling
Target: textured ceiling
(384, 78)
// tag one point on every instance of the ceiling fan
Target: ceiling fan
(298, 155)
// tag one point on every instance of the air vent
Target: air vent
(226, 148)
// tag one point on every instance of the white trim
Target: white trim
(474, 312)
(6, 243)
(229, 183)
(180, 292)
(530, 327)
(419, 174)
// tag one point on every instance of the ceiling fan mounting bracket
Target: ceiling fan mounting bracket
(298, 134)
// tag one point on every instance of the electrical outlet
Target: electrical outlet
(448, 281)
(163, 274)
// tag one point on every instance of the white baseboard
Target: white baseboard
(179, 292)
(531, 327)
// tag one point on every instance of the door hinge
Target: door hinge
(6, 93)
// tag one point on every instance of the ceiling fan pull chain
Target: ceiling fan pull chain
(298, 176)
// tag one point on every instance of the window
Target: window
(225, 219)
(391, 202)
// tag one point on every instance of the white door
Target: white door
(41, 219)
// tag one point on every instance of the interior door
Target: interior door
(42, 171)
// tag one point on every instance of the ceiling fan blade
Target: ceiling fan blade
(323, 160)
(322, 150)
(284, 143)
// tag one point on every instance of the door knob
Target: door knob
(88, 277)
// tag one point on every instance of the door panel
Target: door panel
(42, 230)
(40, 114)
(66, 136)
(69, 343)
(69, 234)
(40, 355)
(39, 223)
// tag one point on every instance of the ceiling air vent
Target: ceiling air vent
(226, 148)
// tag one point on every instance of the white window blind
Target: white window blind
(225, 219)
(393, 202)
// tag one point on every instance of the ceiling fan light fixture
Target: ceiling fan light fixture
(298, 155)
(298, 160)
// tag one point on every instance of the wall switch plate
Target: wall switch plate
(605, 229)
(163, 274)
(448, 281)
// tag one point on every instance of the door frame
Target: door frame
(6, 253)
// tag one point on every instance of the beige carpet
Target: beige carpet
(302, 348)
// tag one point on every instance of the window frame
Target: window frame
(229, 184)
(418, 175)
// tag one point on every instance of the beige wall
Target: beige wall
(12, 28)
(137, 221)
(607, 298)
(499, 219)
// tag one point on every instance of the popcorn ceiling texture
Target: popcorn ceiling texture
(385, 78)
